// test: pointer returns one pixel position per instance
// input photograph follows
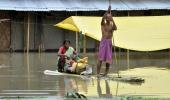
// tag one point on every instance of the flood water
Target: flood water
(22, 75)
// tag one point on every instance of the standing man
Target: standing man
(105, 48)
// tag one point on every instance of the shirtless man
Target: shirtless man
(105, 48)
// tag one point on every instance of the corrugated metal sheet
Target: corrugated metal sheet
(82, 5)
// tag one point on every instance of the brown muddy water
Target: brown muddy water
(22, 78)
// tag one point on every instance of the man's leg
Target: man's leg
(107, 69)
(99, 67)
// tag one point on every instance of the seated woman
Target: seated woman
(65, 52)
(69, 61)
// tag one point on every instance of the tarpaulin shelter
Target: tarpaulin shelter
(142, 33)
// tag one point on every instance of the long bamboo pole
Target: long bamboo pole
(115, 55)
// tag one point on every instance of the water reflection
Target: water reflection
(27, 62)
(74, 84)
(21, 73)
(108, 94)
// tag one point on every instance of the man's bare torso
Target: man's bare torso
(107, 31)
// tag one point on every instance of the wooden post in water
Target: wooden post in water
(39, 49)
(77, 38)
(128, 13)
(77, 42)
(84, 45)
(28, 33)
(25, 34)
(128, 58)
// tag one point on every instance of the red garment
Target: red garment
(62, 50)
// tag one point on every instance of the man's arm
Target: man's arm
(103, 19)
(113, 24)
(104, 16)
(111, 19)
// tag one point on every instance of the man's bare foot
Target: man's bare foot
(98, 76)
(104, 75)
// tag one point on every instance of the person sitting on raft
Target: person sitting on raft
(69, 61)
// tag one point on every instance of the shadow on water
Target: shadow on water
(22, 75)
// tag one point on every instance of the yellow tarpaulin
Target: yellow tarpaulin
(135, 33)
